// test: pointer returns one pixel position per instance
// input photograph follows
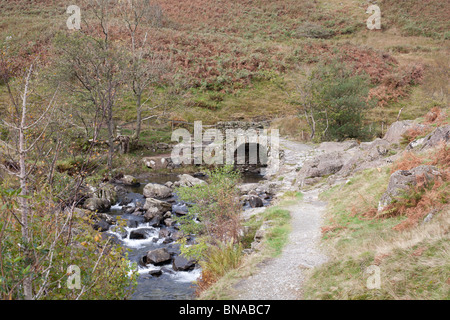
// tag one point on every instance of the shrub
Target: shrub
(218, 260)
(413, 133)
(57, 241)
(339, 100)
(216, 207)
(214, 219)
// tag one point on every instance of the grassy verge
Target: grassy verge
(414, 263)
(273, 242)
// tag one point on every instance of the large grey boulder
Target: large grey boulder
(101, 225)
(155, 190)
(403, 180)
(158, 256)
(374, 154)
(186, 180)
(142, 233)
(323, 165)
(155, 210)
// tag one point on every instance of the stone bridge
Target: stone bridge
(249, 146)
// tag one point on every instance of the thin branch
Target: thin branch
(44, 113)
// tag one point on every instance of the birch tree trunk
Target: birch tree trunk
(23, 177)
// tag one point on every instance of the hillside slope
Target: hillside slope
(243, 60)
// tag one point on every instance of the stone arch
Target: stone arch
(250, 156)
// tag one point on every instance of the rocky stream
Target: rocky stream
(148, 208)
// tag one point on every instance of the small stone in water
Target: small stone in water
(155, 273)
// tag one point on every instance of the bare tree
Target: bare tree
(21, 127)
(147, 68)
(93, 70)
(306, 107)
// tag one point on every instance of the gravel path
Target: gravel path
(281, 278)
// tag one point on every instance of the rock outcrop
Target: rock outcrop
(402, 181)
(396, 130)
(439, 135)
(372, 154)
(322, 165)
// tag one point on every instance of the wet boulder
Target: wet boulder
(158, 256)
(255, 201)
(180, 263)
(134, 221)
(155, 221)
(155, 273)
(140, 234)
(128, 209)
(101, 225)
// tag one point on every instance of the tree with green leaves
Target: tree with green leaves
(338, 100)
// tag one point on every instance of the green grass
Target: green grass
(415, 18)
(417, 272)
(277, 236)
(274, 240)
(414, 264)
